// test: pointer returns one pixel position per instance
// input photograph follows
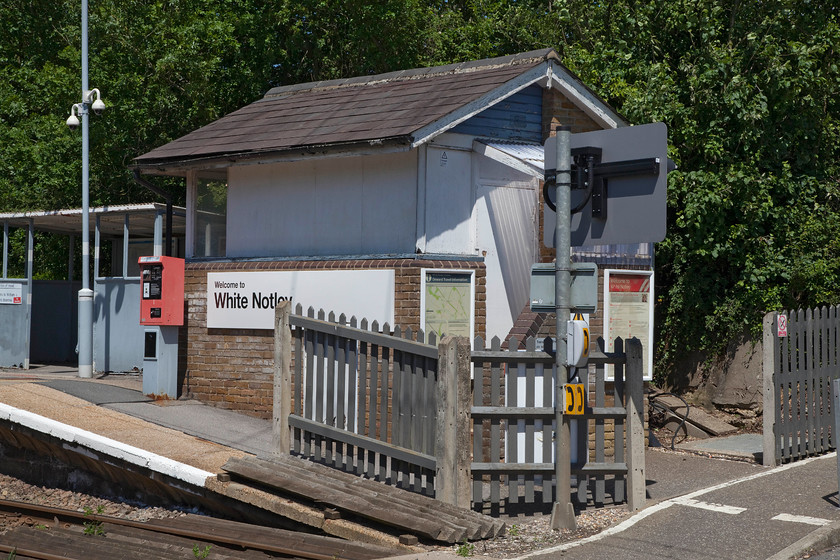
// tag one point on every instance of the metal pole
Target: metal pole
(5, 249)
(30, 258)
(85, 294)
(563, 513)
(126, 233)
(158, 235)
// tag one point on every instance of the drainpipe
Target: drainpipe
(168, 198)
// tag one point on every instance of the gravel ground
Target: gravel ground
(16, 490)
(530, 534)
(525, 534)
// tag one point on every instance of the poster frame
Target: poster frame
(470, 273)
(648, 366)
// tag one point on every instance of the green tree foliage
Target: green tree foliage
(749, 91)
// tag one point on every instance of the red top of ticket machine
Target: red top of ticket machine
(162, 300)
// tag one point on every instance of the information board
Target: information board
(628, 312)
(11, 293)
(447, 303)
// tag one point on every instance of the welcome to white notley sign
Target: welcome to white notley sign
(246, 300)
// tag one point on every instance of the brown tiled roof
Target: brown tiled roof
(387, 108)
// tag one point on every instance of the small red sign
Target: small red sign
(782, 325)
(629, 283)
(17, 299)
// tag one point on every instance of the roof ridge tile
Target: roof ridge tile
(415, 73)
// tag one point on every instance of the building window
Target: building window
(210, 217)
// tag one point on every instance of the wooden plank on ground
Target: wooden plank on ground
(324, 492)
(476, 525)
(304, 542)
(384, 504)
(125, 543)
(481, 525)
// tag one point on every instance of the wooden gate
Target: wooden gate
(801, 357)
(513, 431)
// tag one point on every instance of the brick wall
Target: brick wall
(557, 110)
(234, 368)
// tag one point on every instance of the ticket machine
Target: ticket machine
(161, 313)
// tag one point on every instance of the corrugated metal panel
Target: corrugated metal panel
(519, 117)
(625, 254)
(532, 154)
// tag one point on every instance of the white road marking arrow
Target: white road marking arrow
(720, 508)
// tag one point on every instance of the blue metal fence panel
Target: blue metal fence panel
(14, 328)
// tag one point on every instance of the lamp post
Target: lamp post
(90, 100)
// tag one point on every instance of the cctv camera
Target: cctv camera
(73, 122)
(98, 106)
(94, 98)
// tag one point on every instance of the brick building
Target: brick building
(376, 196)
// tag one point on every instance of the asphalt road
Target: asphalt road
(752, 517)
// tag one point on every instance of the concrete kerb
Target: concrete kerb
(820, 540)
(128, 453)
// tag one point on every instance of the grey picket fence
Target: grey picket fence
(364, 401)
(800, 361)
(387, 406)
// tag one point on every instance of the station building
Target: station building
(411, 198)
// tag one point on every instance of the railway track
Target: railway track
(47, 533)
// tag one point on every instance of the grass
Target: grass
(465, 549)
(93, 528)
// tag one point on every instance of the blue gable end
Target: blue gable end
(519, 117)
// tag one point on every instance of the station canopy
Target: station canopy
(141, 220)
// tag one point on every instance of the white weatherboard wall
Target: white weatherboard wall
(323, 207)
(477, 206)
(449, 197)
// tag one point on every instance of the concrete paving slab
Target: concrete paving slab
(747, 446)
(96, 393)
(231, 429)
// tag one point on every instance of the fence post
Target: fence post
(835, 403)
(282, 399)
(768, 414)
(453, 476)
(635, 395)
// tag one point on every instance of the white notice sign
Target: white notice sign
(246, 300)
(628, 312)
(11, 293)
